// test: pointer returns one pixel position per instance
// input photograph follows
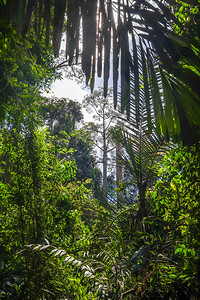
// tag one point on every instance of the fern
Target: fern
(109, 271)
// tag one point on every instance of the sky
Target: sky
(69, 88)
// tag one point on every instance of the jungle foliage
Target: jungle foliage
(56, 239)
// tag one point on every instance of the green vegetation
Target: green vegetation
(60, 237)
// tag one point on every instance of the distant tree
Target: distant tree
(61, 114)
(105, 118)
(63, 117)
(87, 167)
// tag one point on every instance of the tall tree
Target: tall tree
(105, 118)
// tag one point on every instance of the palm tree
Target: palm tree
(143, 145)
(144, 135)
(119, 28)
(141, 153)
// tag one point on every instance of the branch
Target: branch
(62, 64)
(111, 119)
(98, 146)
(111, 149)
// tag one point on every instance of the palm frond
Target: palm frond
(59, 13)
(143, 39)
(47, 18)
(72, 32)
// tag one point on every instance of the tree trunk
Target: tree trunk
(105, 161)
(105, 182)
(119, 176)
(142, 200)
